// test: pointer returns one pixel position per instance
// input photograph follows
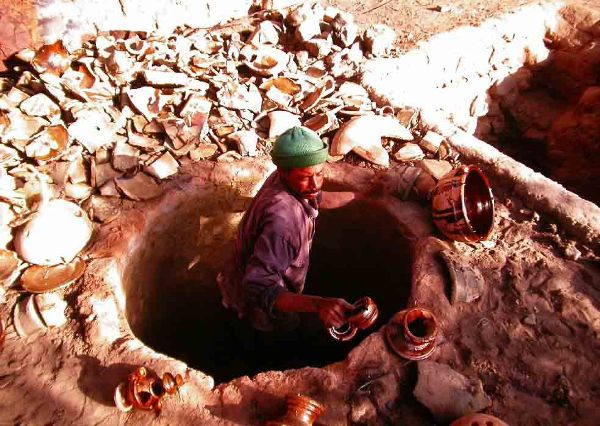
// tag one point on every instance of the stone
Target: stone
(448, 394)
(379, 40)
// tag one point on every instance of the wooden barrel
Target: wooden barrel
(463, 205)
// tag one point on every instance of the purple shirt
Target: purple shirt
(271, 254)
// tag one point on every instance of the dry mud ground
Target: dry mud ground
(532, 340)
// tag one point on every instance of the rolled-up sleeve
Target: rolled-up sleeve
(263, 281)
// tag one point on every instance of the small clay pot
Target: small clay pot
(412, 333)
(301, 411)
(478, 419)
(364, 316)
(144, 391)
(463, 205)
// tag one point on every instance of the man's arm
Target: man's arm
(331, 311)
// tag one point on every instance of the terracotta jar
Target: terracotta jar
(364, 316)
(463, 205)
(301, 411)
(412, 333)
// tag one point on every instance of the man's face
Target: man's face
(305, 182)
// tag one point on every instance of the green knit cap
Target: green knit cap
(299, 147)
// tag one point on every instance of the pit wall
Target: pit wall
(457, 78)
(449, 75)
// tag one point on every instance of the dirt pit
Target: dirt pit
(174, 304)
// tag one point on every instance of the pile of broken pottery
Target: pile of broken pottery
(81, 130)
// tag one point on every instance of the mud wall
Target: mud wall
(449, 75)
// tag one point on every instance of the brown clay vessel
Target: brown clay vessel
(412, 333)
(463, 205)
(364, 316)
(301, 411)
(144, 391)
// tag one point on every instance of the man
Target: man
(266, 278)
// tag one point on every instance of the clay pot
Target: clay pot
(478, 419)
(463, 205)
(364, 316)
(301, 411)
(145, 391)
(412, 333)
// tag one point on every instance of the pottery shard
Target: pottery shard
(246, 141)
(163, 167)
(139, 187)
(431, 141)
(21, 126)
(203, 151)
(345, 30)
(265, 33)
(93, 131)
(409, 152)
(282, 121)
(196, 112)
(103, 209)
(165, 78)
(447, 393)
(51, 308)
(319, 47)
(436, 168)
(147, 101)
(308, 29)
(379, 40)
(39, 105)
(125, 157)
(363, 136)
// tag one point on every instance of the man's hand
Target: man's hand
(333, 312)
